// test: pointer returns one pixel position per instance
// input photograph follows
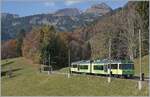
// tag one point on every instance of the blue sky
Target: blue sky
(31, 7)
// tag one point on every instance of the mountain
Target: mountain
(9, 16)
(64, 20)
(68, 12)
(99, 9)
(6, 28)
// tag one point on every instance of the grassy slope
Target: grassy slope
(28, 81)
(145, 65)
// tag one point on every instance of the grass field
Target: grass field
(145, 66)
(28, 81)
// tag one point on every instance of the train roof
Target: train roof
(104, 61)
(81, 62)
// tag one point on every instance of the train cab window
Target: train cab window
(114, 66)
(98, 67)
(126, 66)
(83, 66)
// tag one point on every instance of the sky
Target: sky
(31, 7)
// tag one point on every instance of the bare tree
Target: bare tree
(130, 18)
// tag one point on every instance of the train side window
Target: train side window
(83, 66)
(114, 66)
(97, 67)
(74, 66)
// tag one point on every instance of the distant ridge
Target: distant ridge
(64, 20)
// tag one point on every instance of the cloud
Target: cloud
(72, 2)
(49, 4)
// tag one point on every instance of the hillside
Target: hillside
(70, 35)
(145, 65)
(122, 27)
(28, 81)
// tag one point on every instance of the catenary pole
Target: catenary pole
(109, 78)
(49, 63)
(140, 55)
(69, 63)
(140, 61)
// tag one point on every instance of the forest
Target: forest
(120, 27)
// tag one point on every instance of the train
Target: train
(117, 68)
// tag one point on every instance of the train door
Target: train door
(117, 68)
(91, 61)
(78, 67)
(105, 68)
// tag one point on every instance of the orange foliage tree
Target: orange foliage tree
(8, 49)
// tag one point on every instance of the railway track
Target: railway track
(136, 78)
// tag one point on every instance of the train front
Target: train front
(127, 68)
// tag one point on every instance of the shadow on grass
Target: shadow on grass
(5, 72)
(138, 77)
(47, 68)
(7, 63)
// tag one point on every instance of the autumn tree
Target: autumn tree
(8, 49)
(31, 45)
(54, 46)
(19, 40)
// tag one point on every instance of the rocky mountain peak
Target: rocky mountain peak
(101, 9)
(68, 12)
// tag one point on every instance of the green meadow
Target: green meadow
(28, 81)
